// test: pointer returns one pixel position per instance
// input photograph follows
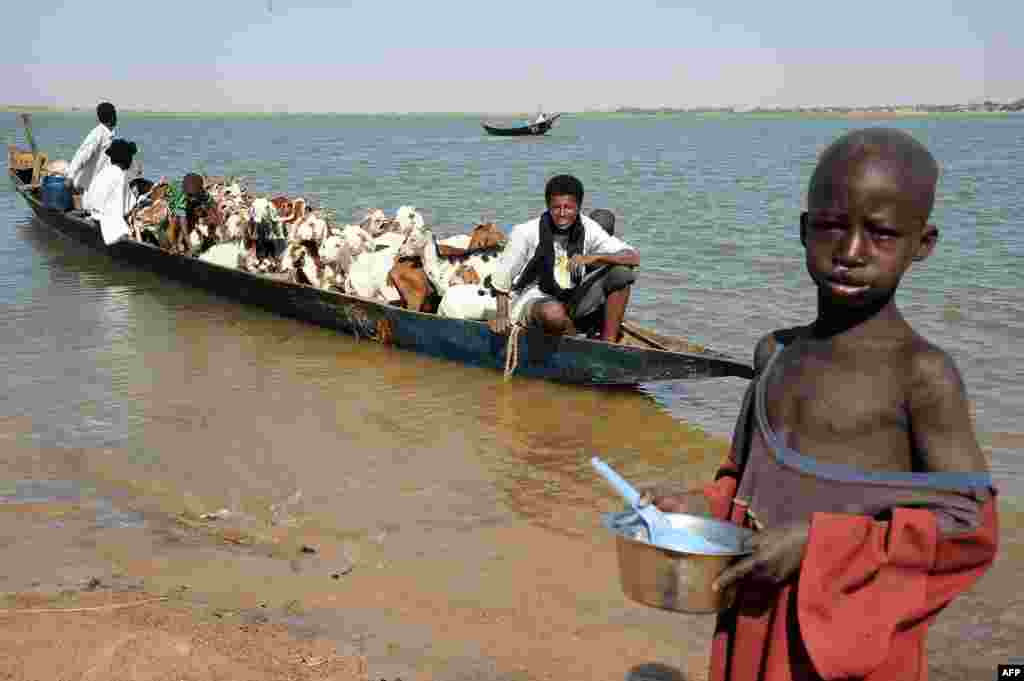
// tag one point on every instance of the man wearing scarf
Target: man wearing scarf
(542, 278)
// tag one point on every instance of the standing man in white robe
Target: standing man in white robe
(91, 158)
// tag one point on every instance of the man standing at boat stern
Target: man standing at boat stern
(542, 280)
(91, 157)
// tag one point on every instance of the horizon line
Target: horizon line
(919, 108)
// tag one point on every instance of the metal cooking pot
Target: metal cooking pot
(675, 578)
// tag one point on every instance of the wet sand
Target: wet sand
(485, 598)
(100, 635)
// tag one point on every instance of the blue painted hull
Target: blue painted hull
(557, 358)
(520, 130)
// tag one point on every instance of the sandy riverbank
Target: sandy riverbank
(106, 635)
(257, 605)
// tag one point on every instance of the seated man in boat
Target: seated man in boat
(91, 158)
(541, 278)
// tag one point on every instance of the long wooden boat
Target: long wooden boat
(563, 359)
(520, 130)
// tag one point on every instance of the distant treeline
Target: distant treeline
(27, 108)
(986, 106)
(672, 110)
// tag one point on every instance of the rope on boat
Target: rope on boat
(512, 350)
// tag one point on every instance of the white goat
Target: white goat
(368, 275)
(374, 221)
(408, 219)
(342, 247)
(468, 301)
(447, 271)
(227, 254)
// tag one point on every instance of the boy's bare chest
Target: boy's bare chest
(841, 411)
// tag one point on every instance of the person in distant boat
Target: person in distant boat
(542, 277)
(108, 192)
(91, 158)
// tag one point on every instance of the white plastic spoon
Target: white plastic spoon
(659, 530)
(657, 523)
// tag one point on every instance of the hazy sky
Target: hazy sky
(568, 55)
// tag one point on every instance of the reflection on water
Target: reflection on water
(209, 404)
(238, 408)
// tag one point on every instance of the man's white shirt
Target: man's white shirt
(522, 245)
(91, 157)
(107, 200)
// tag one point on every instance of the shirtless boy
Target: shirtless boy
(187, 203)
(854, 457)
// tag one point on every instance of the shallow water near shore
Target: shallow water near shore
(420, 471)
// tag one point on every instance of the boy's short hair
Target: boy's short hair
(910, 159)
(106, 112)
(563, 185)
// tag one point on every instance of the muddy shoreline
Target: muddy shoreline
(316, 603)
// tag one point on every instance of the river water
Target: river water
(118, 377)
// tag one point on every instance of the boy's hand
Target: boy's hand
(691, 501)
(776, 557)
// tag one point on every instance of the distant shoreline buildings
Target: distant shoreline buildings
(986, 106)
(877, 110)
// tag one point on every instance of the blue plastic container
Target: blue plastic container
(55, 195)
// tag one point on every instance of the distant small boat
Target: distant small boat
(521, 130)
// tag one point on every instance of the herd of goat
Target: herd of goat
(395, 260)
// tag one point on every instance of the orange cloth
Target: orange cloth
(861, 603)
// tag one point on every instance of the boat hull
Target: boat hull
(522, 130)
(557, 358)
